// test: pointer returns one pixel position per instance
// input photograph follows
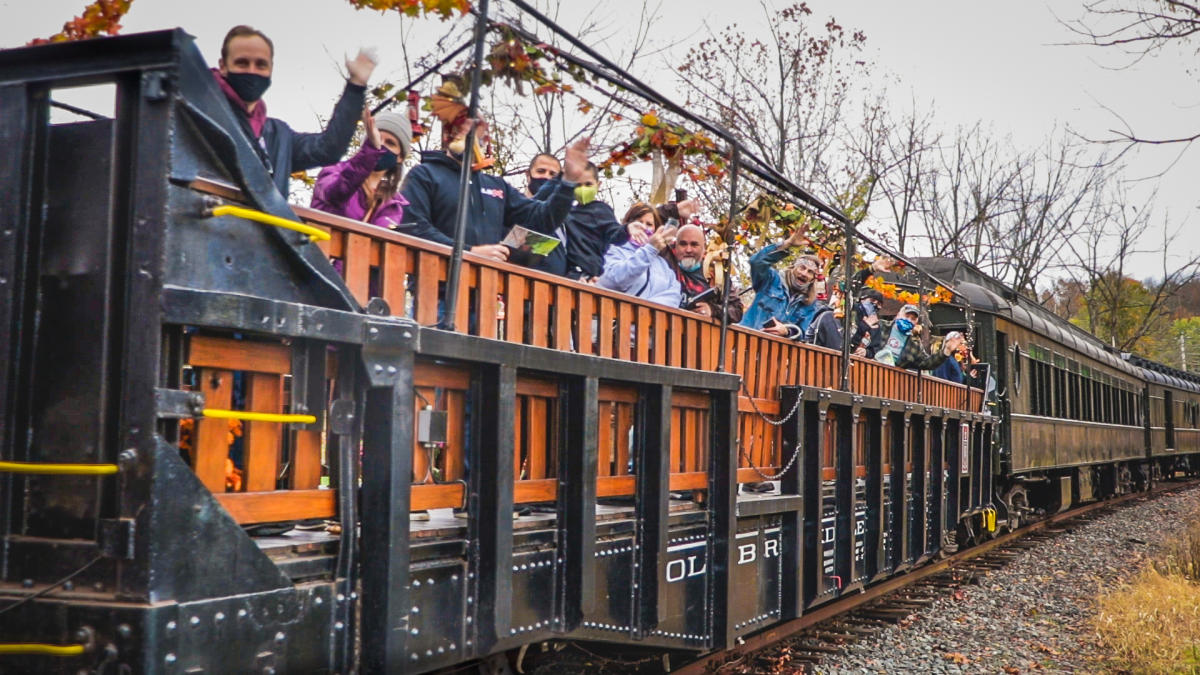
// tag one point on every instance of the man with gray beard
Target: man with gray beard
(686, 256)
(785, 303)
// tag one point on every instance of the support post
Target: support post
(735, 162)
(454, 273)
(847, 297)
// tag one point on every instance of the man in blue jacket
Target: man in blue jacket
(244, 73)
(786, 304)
(494, 206)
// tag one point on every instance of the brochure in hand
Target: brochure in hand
(528, 248)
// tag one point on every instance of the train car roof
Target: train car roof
(1164, 374)
(988, 294)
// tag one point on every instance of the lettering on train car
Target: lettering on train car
(964, 456)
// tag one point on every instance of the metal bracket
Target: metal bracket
(341, 417)
(176, 404)
(116, 537)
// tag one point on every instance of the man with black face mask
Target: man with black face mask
(244, 74)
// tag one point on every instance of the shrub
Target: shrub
(1153, 624)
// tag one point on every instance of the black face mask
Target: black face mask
(248, 86)
(387, 161)
(535, 184)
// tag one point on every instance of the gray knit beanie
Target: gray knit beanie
(397, 125)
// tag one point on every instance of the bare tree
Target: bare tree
(1116, 307)
(782, 94)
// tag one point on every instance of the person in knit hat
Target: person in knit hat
(244, 73)
(366, 187)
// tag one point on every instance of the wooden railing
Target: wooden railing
(259, 493)
(517, 304)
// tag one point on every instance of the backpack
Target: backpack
(810, 333)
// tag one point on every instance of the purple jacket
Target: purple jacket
(339, 190)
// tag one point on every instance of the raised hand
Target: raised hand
(798, 237)
(663, 237)
(361, 66)
(687, 209)
(372, 138)
(638, 233)
(575, 163)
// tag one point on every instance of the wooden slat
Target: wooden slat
(519, 422)
(447, 496)
(514, 308)
(211, 445)
(532, 386)
(661, 348)
(610, 392)
(675, 357)
(624, 422)
(541, 314)
(689, 399)
(624, 330)
(563, 307)
(326, 245)
(489, 286)
(584, 322)
(462, 310)
(538, 431)
(227, 354)
(428, 271)
(747, 475)
(426, 374)
(692, 480)
(278, 506)
(676, 439)
(454, 454)
(262, 439)
(604, 439)
(392, 277)
(306, 460)
(642, 342)
(531, 491)
(605, 327)
(615, 486)
(358, 266)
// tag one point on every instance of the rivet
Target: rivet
(373, 330)
(280, 637)
(416, 610)
(453, 646)
(339, 625)
(378, 368)
(428, 652)
(354, 595)
(429, 581)
(171, 625)
(416, 583)
(468, 641)
(219, 617)
(391, 370)
(415, 631)
(453, 577)
(470, 619)
(318, 600)
(169, 658)
(241, 613)
(341, 598)
(195, 621)
(414, 656)
(441, 650)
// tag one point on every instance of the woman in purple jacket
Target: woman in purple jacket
(366, 187)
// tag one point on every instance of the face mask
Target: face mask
(689, 264)
(868, 308)
(387, 161)
(456, 147)
(535, 184)
(248, 86)
(801, 288)
(585, 194)
(904, 325)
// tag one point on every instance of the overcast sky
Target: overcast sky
(1001, 63)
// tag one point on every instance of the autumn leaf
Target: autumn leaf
(956, 657)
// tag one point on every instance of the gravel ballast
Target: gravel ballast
(1032, 615)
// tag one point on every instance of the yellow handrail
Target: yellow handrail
(314, 233)
(259, 417)
(58, 469)
(19, 648)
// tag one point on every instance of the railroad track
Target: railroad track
(829, 629)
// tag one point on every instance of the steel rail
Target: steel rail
(753, 643)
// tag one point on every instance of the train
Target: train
(220, 452)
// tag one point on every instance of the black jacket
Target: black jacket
(285, 151)
(587, 232)
(431, 189)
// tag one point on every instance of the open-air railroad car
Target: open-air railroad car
(157, 331)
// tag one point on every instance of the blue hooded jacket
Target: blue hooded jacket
(431, 189)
